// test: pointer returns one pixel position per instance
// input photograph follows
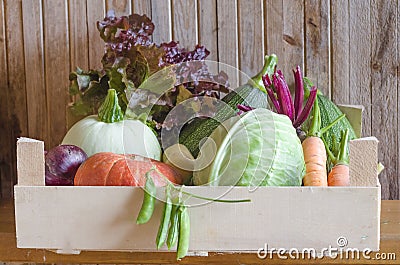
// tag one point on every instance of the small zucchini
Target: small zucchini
(251, 94)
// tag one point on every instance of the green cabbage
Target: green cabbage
(257, 148)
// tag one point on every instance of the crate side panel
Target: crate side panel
(103, 218)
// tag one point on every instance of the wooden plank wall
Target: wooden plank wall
(349, 48)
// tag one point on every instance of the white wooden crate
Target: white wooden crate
(71, 219)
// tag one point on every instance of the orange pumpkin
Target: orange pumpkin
(109, 169)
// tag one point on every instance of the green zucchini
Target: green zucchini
(329, 112)
(251, 94)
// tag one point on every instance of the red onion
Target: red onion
(61, 164)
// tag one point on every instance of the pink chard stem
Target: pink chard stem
(299, 91)
(279, 93)
(285, 99)
(244, 107)
(307, 108)
(268, 84)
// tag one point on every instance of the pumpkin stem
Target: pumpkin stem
(110, 111)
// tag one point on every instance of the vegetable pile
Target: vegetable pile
(243, 142)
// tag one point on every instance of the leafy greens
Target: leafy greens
(130, 58)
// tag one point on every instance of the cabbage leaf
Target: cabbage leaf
(257, 148)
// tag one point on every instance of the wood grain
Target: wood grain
(120, 7)
(56, 57)
(228, 47)
(384, 78)
(208, 27)
(398, 104)
(293, 35)
(34, 63)
(390, 240)
(317, 45)
(184, 22)
(207, 31)
(360, 59)
(273, 28)
(162, 19)
(340, 45)
(17, 101)
(78, 34)
(6, 169)
(285, 34)
(95, 12)
(142, 7)
(250, 39)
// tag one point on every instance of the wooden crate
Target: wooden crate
(71, 219)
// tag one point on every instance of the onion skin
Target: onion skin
(61, 164)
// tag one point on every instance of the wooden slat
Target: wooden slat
(184, 22)
(251, 41)
(34, 60)
(78, 34)
(161, 17)
(340, 77)
(398, 103)
(57, 66)
(5, 124)
(207, 32)
(78, 43)
(360, 59)
(142, 7)
(228, 52)
(390, 238)
(285, 34)
(95, 12)
(121, 7)
(17, 101)
(383, 95)
(273, 28)
(317, 30)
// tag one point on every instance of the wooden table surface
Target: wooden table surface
(390, 248)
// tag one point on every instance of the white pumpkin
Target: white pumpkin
(116, 135)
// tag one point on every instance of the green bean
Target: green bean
(174, 227)
(165, 220)
(147, 209)
(184, 233)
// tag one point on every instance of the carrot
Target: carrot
(340, 173)
(315, 159)
(314, 151)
